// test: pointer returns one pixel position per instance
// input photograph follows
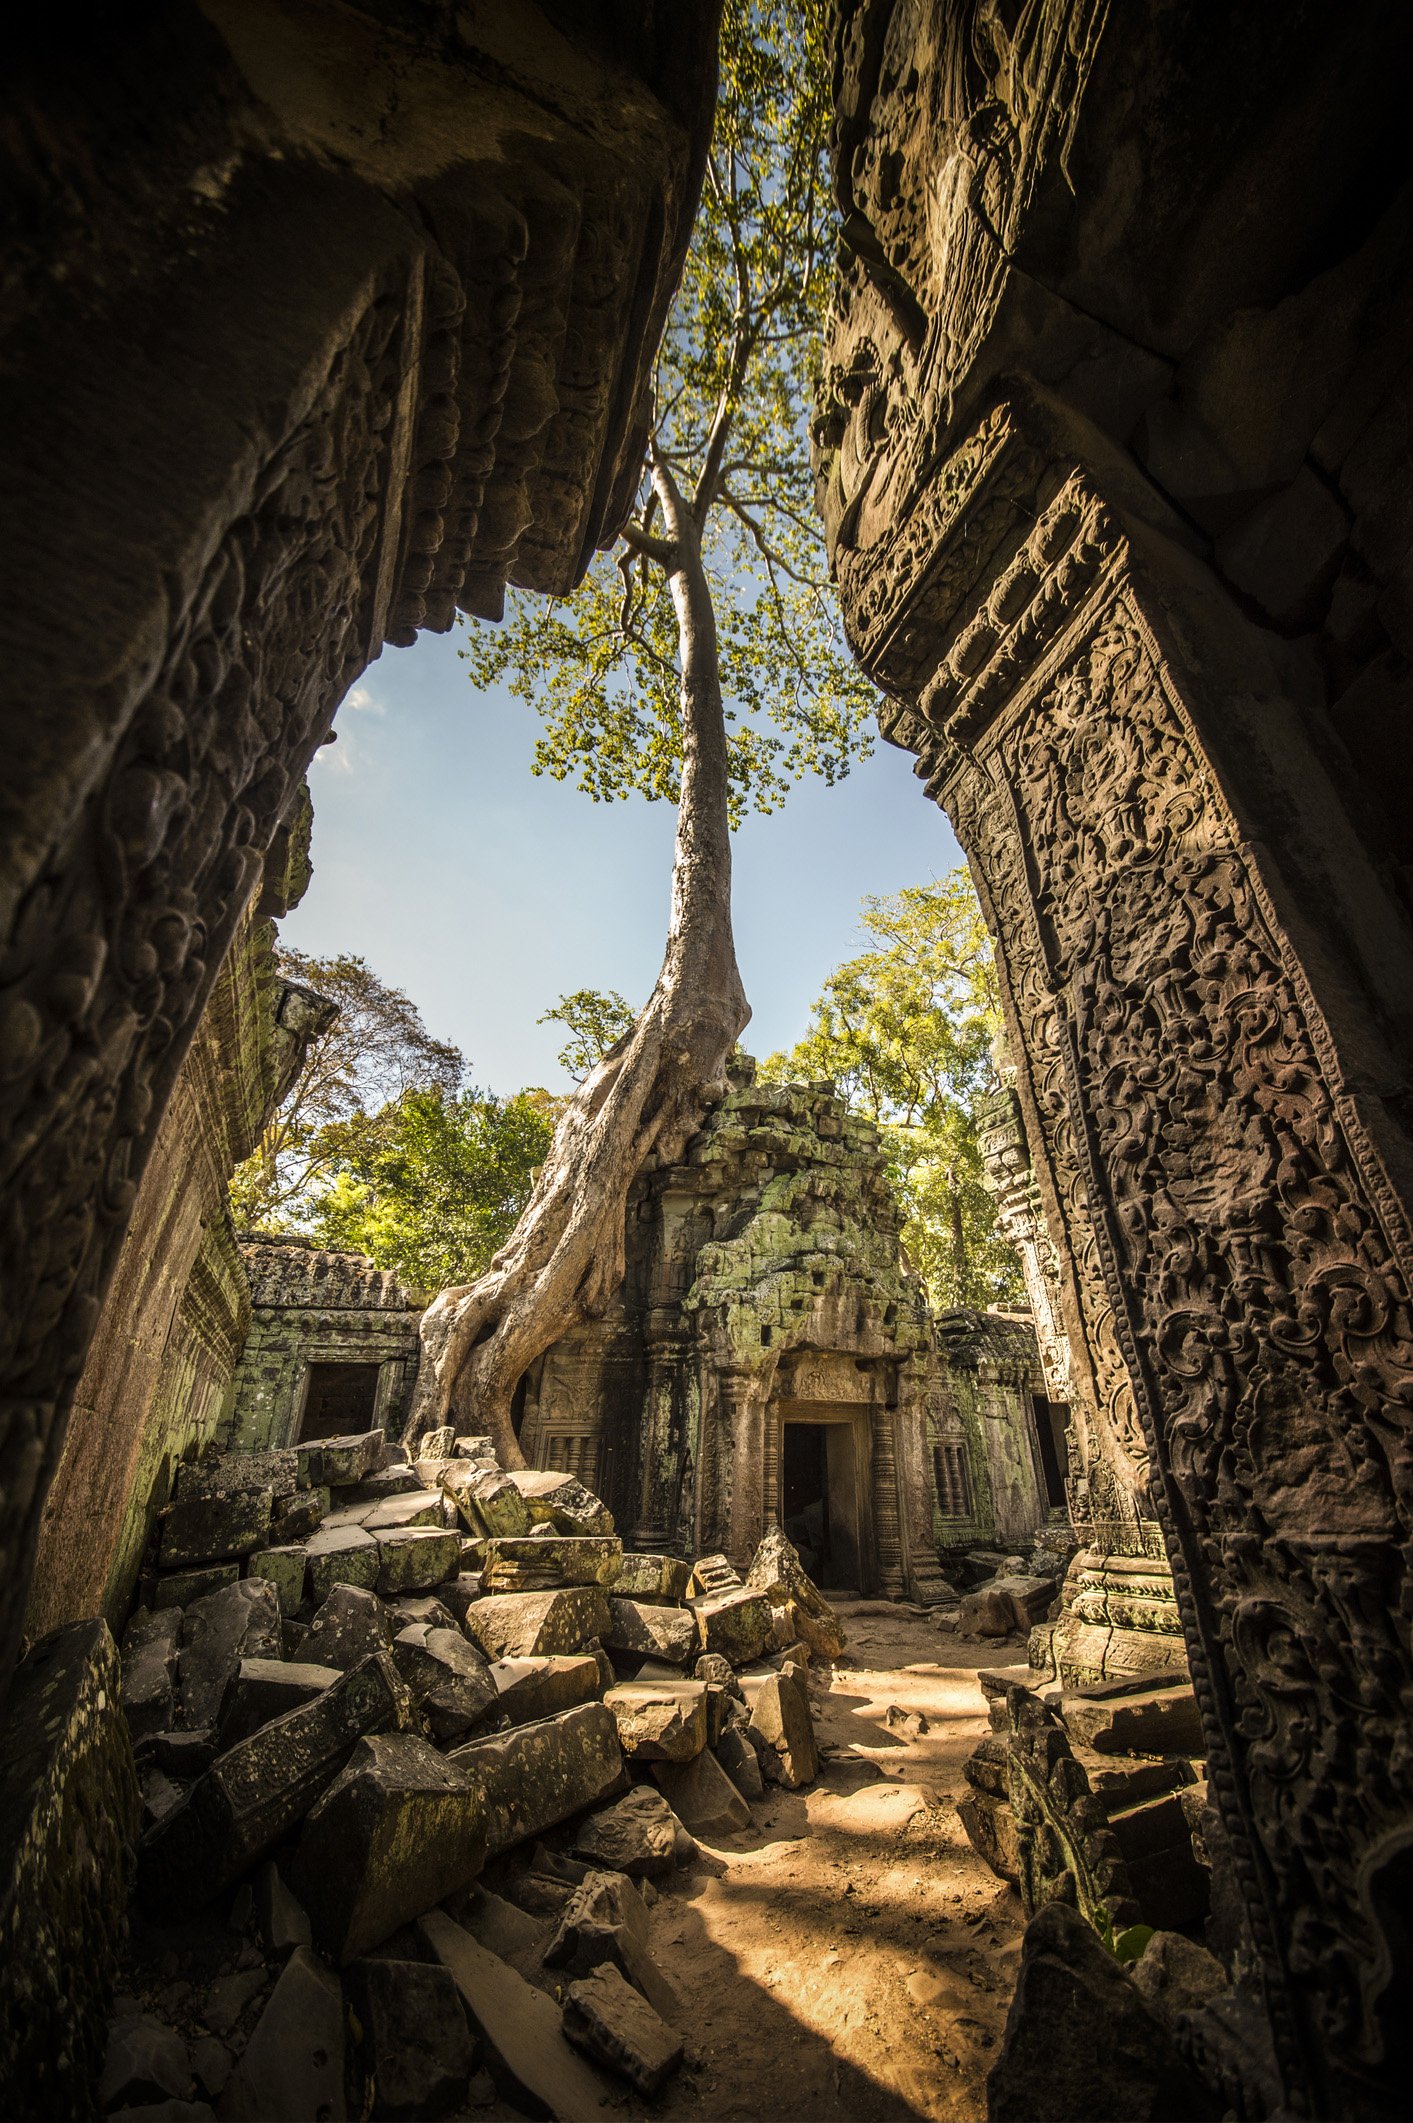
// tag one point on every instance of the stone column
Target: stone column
(743, 1408)
(917, 1491)
(662, 1449)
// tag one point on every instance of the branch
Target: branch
(662, 550)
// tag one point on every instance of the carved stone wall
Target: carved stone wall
(1112, 452)
(309, 1306)
(157, 1380)
(319, 320)
(765, 1288)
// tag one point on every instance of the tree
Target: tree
(596, 1021)
(905, 1032)
(373, 1051)
(434, 1183)
(717, 589)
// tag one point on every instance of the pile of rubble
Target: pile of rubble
(999, 1595)
(429, 1734)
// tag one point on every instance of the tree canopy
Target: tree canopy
(904, 1031)
(375, 1049)
(595, 1019)
(734, 388)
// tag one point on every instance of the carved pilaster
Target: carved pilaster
(743, 1406)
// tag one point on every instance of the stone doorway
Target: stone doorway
(823, 1488)
(339, 1399)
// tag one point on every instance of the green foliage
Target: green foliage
(595, 1020)
(435, 1183)
(904, 1032)
(734, 387)
(375, 1050)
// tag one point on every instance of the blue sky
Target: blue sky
(486, 893)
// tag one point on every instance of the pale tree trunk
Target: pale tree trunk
(565, 1258)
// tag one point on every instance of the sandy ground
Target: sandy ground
(853, 1958)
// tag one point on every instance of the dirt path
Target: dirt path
(852, 1958)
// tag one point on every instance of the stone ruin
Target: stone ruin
(770, 1360)
(433, 1720)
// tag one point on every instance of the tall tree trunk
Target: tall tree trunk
(565, 1258)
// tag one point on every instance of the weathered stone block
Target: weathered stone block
(1155, 1721)
(292, 2068)
(145, 2061)
(240, 1622)
(779, 1575)
(605, 2017)
(439, 1444)
(527, 1564)
(535, 1776)
(737, 1624)
(179, 1588)
(447, 1676)
(417, 1507)
(527, 1689)
(638, 1627)
(414, 1558)
(560, 1501)
(702, 1796)
(284, 1569)
(520, 2027)
(262, 1689)
(410, 1607)
(415, 2047)
(296, 1517)
(488, 1500)
(212, 1529)
(524, 1624)
(660, 1721)
(599, 1898)
(281, 1919)
(460, 1592)
(657, 1578)
(276, 1473)
(398, 1830)
(256, 1793)
(639, 1835)
(781, 1722)
(340, 1555)
(397, 1478)
(150, 1669)
(351, 1625)
(740, 1761)
(986, 1613)
(712, 1575)
(339, 1462)
(68, 1816)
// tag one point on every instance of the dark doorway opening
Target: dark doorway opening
(340, 1400)
(1051, 1430)
(818, 1501)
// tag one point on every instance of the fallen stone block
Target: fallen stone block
(396, 1478)
(239, 1622)
(414, 1558)
(558, 1500)
(276, 1473)
(527, 1689)
(425, 1607)
(1080, 2043)
(340, 1555)
(150, 1644)
(606, 2017)
(535, 1776)
(292, 2068)
(647, 1631)
(659, 1579)
(782, 1724)
(460, 1592)
(779, 1575)
(476, 1448)
(284, 1569)
(448, 1677)
(1174, 1975)
(438, 1444)
(256, 1793)
(180, 1588)
(295, 1517)
(350, 1626)
(397, 1831)
(718, 1672)
(598, 1944)
(488, 1500)
(599, 1898)
(210, 1529)
(416, 1507)
(280, 1917)
(183, 1755)
(1029, 1598)
(145, 2061)
(527, 1564)
(339, 1462)
(639, 1835)
(415, 2048)
(529, 2059)
(262, 1689)
(987, 1613)
(736, 1624)
(503, 1927)
(703, 1796)
(660, 1721)
(713, 1574)
(1153, 1721)
(159, 1795)
(526, 1624)
(741, 1762)
(69, 1809)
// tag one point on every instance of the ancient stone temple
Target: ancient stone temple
(1112, 455)
(331, 1348)
(770, 1360)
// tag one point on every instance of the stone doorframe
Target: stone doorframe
(862, 1423)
